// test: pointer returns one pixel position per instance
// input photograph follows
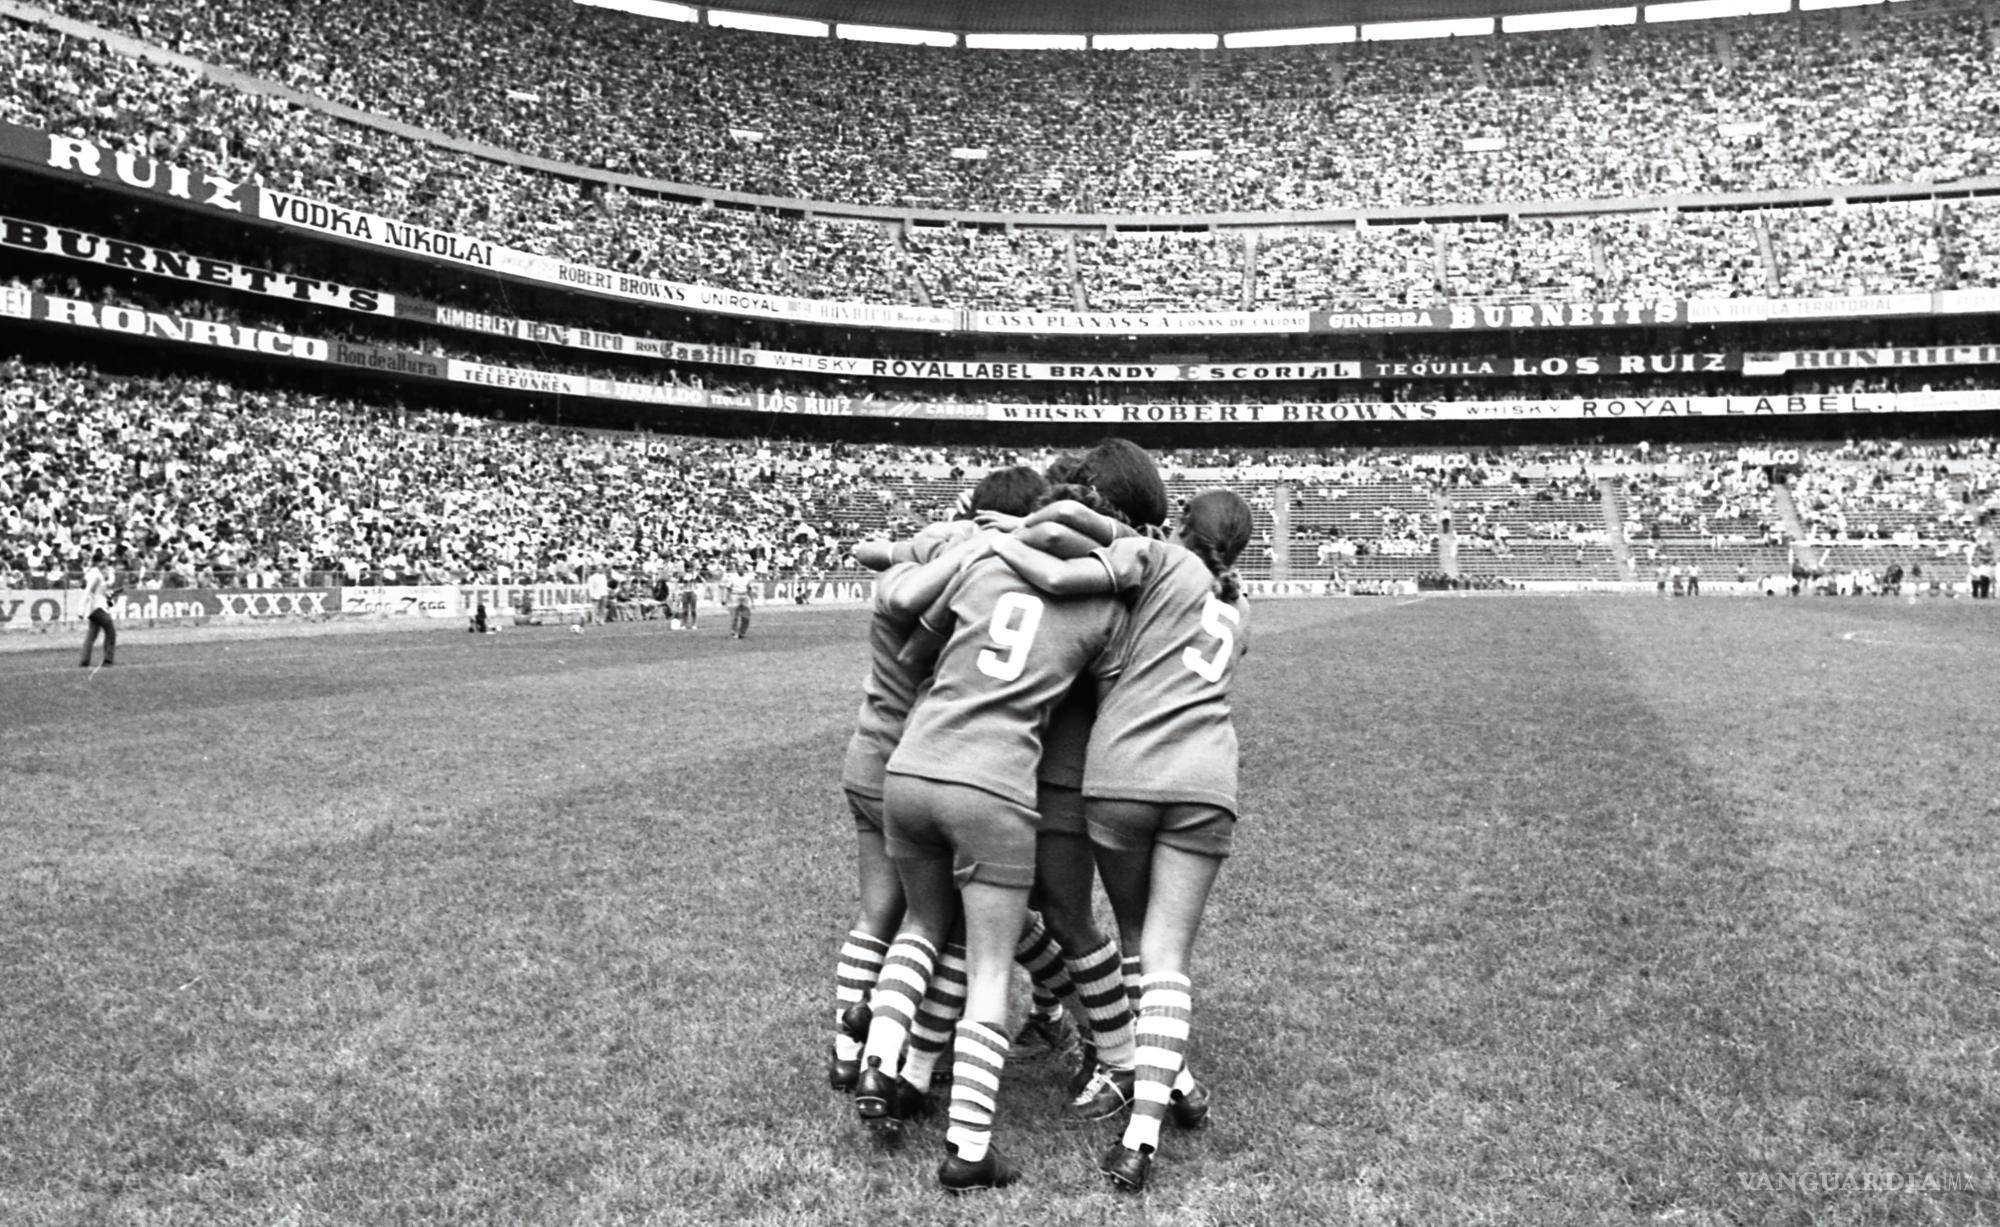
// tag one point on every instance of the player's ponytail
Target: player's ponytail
(1215, 527)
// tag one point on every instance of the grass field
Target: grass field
(1546, 910)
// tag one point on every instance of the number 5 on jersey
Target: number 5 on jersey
(1016, 618)
(1220, 622)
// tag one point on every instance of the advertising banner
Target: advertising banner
(1554, 366)
(1595, 409)
(387, 361)
(17, 234)
(304, 213)
(1764, 310)
(264, 603)
(1141, 323)
(160, 326)
(1267, 588)
(136, 322)
(1900, 356)
(24, 609)
(1968, 302)
(404, 602)
(688, 296)
(517, 379)
(41, 609)
(973, 370)
(1467, 317)
(76, 158)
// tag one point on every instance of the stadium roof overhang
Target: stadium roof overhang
(1138, 16)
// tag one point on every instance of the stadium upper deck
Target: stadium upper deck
(1801, 101)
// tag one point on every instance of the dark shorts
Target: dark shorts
(982, 835)
(867, 811)
(1061, 810)
(1134, 826)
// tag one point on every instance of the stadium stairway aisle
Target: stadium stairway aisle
(1448, 546)
(1447, 534)
(1788, 512)
(1614, 524)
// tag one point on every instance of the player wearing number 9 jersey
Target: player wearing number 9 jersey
(912, 575)
(1160, 771)
(959, 801)
(1011, 654)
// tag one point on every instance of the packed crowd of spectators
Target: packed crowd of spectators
(194, 482)
(1714, 505)
(1800, 100)
(190, 482)
(1901, 495)
(1830, 99)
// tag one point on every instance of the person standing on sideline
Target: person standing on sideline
(597, 587)
(690, 597)
(99, 586)
(739, 595)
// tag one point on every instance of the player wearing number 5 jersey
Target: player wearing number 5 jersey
(1160, 771)
(959, 801)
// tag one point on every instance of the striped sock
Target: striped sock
(1134, 978)
(860, 962)
(906, 973)
(1101, 988)
(943, 1005)
(1047, 977)
(978, 1058)
(1166, 1006)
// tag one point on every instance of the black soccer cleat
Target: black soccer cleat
(1190, 1110)
(841, 1075)
(1127, 1168)
(1043, 1038)
(854, 1021)
(874, 1094)
(1108, 1093)
(958, 1175)
(912, 1104)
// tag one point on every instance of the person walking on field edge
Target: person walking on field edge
(98, 589)
(739, 592)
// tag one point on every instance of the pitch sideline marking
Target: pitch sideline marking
(1867, 638)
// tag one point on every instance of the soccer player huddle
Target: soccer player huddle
(1047, 704)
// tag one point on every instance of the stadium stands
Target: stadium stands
(194, 481)
(1665, 109)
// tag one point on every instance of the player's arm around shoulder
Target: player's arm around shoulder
(1074, 515)
(1090, 575)
(909, 590)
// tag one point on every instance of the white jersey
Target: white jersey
(97, 589)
